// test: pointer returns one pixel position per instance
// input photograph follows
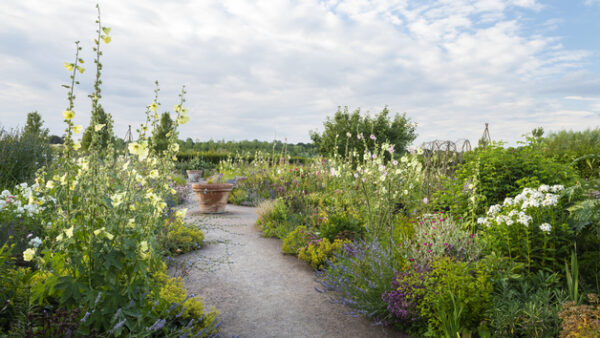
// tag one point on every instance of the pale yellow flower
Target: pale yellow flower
(99, 127)
(183, 119)
(76, 145)
(68, 114)
(109, 235)
(175, 147)
(69, 232)
(153, 106)
(59, 238)
(131, 223)
(77, 128)
(144, 246)
(69, 66)
(50, 184)
(97, 232)
(153, 173)
(177, 108)
(28, 254)
(181, 213)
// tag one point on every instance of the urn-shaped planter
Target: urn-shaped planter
(194, 175)
(212, 197)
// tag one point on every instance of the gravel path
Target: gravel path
(258, 291)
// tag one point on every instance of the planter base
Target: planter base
(212, 198)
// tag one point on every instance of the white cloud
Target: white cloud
(255, 67)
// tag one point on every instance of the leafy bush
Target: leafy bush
(342, 224)
(450, 283)
(581, 320)
(273, 219)
(359, 276)
(345, 132)
(22, 155)
(525, 306)
(530, 228)
(439, 235)
(180, 238)
(493, 173)
(318, 251)
(296, 240)
(576, 147)
(14, 293)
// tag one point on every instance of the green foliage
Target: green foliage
(568, 146)
(347, 132)
(342, 224)
(102, 137)
(318, 251)
(274, 221)
(180, 238)
(296, 240)
(228, 148)
(22, 155)
(455, 288)
(500, 173)
(525, 306)
(34, 126)
(14, 292)
(160, 136)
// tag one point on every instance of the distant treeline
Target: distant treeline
(246, 146)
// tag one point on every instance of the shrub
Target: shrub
(22, 155)
(450, 283)
(530, 228)
(499, 173)
(318, 251)
(342, 224)
(581, 320)
(575, 147)
(296, 240)
(439, 235)
(525, 306)
(273, 219)
(180, 238)
(359, 276)
(340, 132)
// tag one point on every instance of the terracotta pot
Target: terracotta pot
(194, 175)
(212, 197)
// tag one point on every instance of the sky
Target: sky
(277, 68)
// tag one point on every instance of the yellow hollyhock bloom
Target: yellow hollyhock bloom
(106, 39)
(69, 232)
(69, 66)
(59, 238)
(76, 145)
(96, 232)
(68, 114)
(177, 108)
(153, 173)
(99, 127)
(50, 184)
(153, 106)
(77, 128)
(109, 235)
(28, 254)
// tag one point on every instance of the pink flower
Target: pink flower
(430, 244)
(429, 250)
(373, 137)
(445, 244)
(412, 259)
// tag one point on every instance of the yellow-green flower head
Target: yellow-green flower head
(77, 128)
(68, 114)
(99, 127)
(69, 232)
(76, 145)
(69, 66)
(50, 184)
(139, 149)
(183, 119)
(175, 147)
(153, 106)
(177, 108)
(28, 254)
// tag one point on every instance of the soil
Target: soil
(258, 291)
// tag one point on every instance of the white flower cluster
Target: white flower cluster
(544, 196)
(28, 201)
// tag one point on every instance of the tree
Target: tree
(34, 125)
(347, 132)
(159, 141)
(55, 139)
(104, 135)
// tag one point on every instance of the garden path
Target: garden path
(258, 291)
